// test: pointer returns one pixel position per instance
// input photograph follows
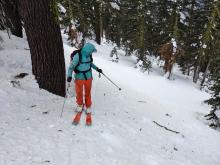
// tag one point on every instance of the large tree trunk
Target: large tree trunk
(188, 70)
(196, 73)
(13, 20)
(141, 39)
(205, 74)
(44, 38)
(97, 22)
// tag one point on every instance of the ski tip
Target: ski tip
(75, 123)
(88, 119)
(88, 124)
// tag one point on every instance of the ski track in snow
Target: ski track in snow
(123, 132)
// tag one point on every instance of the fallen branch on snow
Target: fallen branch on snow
(166, 128)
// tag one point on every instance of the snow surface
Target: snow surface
(183, 16)
(123, 130)
(115, 6)
(61, 8)
(204, 46)
(173, 41)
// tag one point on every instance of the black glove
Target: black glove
(69, 79)
(99, 70)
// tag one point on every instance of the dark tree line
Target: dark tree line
(141, 26)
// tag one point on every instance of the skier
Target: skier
(81, 64)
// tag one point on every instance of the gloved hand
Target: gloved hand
(99, 70)
(69, 79)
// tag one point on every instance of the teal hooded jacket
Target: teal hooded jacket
(86, 51)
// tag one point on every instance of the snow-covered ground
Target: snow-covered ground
(124, 130)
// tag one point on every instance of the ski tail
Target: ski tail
(88, 119)
(77, 118)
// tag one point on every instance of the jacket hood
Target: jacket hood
(88, 49)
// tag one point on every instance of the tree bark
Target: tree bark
(188, 69)
(205, 74)
(196, 73)
(97, 22)
(13, 19)
(44, 38)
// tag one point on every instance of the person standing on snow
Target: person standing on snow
(81, 64)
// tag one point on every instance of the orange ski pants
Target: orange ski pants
(80, 86)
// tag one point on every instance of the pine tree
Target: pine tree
(134, 27)
(214, 60)
(191, 28)
(43, 33)
(11, 17)
(111, 23)
(97, 20)
(214, 101)
(206, 52)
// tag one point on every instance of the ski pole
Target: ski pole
(61, 114)
(111, 81)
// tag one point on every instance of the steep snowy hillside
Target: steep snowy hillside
(151, 121)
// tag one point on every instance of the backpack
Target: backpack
(74, 53)
(80, 62)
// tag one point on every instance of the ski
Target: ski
(88, 119)
(76, 119)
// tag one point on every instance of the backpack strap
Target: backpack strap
(80, 62)
(91, 58)
(83, 72)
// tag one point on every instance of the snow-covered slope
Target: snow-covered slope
(124, 129)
